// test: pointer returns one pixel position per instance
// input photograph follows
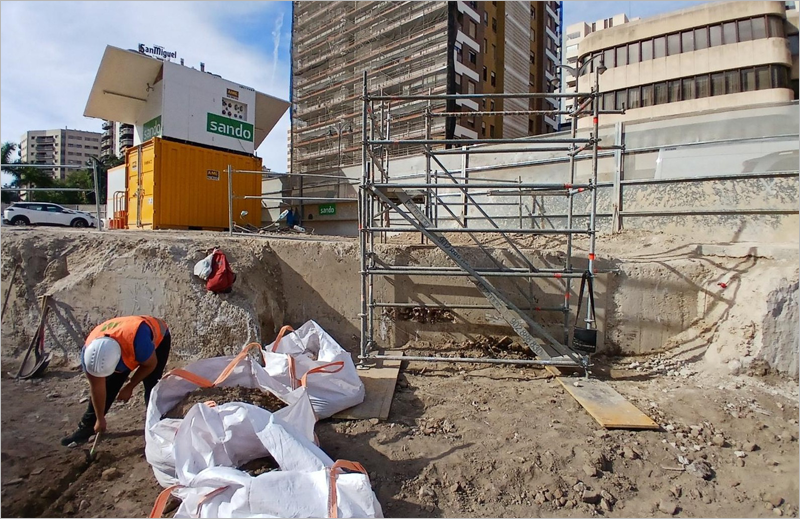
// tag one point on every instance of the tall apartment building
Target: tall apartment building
(72, 147)
(416, 48)
(117, 137)
(573, 35)
(714, 56)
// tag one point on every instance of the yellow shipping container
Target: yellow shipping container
(171, 185)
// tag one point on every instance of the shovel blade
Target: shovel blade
(585, 340)
(34, 367)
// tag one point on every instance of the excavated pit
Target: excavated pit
(684, 325)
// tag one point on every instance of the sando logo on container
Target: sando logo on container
(151, 128)
(229, 127)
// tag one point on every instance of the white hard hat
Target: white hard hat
(101, 356)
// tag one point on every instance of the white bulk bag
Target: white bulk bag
(211, 442)
(202, 268)
(332, 381)
(240, 370)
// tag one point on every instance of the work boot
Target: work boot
(80, 436)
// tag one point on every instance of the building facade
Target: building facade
(710, 57)
(573, 36)
(117, 137)
(68, 147)
(416, 48)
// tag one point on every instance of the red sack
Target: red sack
(222, 276)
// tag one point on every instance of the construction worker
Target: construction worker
(115, 349)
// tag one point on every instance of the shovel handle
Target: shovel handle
(96, 438)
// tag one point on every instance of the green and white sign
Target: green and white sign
(327, 209)
(229, 127)
(151, 128)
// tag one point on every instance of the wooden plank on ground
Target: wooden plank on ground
(608, 407)
(379, 382)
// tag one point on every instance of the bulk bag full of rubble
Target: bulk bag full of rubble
(241, 370)
(310, 357)
(304, 482)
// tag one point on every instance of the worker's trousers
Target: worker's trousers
(115, 381)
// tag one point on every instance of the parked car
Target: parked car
(41, 213)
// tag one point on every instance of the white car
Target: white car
(43, 213)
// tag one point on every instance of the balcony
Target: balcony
(107, 125)
(126, 131)
(105, 145)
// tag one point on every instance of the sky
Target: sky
(50, 52)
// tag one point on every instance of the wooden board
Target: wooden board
(608, 407)
(379, 382)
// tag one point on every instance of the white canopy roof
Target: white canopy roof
(121, 85)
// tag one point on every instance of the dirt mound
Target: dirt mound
(223, 395)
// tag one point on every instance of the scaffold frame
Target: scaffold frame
(380, 197)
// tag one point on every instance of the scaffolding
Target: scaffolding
(413, 204)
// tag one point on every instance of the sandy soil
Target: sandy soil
(464, 441)
(515, 444)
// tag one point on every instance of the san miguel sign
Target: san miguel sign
(157, 51)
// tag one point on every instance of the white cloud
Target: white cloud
(276, 43)
(50, 52)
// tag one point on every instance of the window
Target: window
(687, 41)
(759, 28)
(470, 87)
(634, 99)
(748, 80)
(608, 101)
(485, 76)
(471, 121)
(621, 99)
(491, 105)
(716, 35)
(729, 33)
(647, 50)
(779, 77)
(622, 56)
(483, 129)
(659, 47)
(494, 79)
(717, 84)
(485, 46)
(732, 82)
(530, 125)
(491, 130)
(458, 82)
(762, 78)
(473, 57)
(471, 29)
(660, 93)
(459, 53)
(533, 34)
(702, 86)
(687, 89)
(494, 51)
(485, 18)
(633, 53)
(674, 44)
(775, 26)
(745, 30)
(648, 98)
(533, 58)
(494, 24)
(608, 58)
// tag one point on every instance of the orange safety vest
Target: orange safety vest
(123, 330)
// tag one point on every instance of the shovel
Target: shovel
(91, 455)
(35, 366)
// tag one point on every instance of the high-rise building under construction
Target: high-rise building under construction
(416, 48)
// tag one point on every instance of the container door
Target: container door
(132, 184)
(147, 184)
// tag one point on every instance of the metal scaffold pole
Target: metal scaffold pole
(362, 226)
